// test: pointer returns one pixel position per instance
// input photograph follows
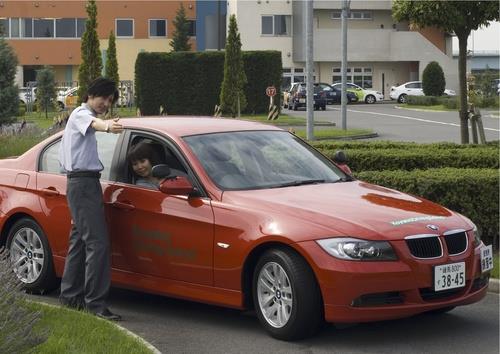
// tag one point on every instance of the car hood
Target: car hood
(351, 208)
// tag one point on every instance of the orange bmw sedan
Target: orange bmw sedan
(248, 216)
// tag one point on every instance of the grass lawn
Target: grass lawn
(77, 332)
(494, 272)
(282, 120)
(438, 107)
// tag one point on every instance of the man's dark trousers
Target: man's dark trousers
(87, 271)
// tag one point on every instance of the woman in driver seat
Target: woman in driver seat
(142, 158)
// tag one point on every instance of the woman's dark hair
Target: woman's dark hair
(102, 87)
(142, 150)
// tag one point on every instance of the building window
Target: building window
(27, 27)
(124, 27)
(352, 15)
(65, 28)
(157, 28)
(192, 28)
(4, 27)
(80, 26)
(359, 76)
(43, 28)
(15, 27)
(277, 25)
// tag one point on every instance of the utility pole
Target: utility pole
(309, 70)
(345, 12)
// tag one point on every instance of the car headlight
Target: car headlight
(477, 236)
(354, 249)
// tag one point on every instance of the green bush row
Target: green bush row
(399, 159)
(453, 102)
(373, 145)
(471, 192)
(189, 82)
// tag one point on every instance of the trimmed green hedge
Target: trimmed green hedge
(346, 145)
(188, 83)
(452, 102)
(471, 192)
(418, 158)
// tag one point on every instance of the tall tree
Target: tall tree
(232, 95)
(46, 89)
(180, 39)
(433, 80)
(9, 96)
(459, 17)
(91, 66)
(111, 61)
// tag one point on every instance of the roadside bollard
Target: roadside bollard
(217, 111)
(274, 112)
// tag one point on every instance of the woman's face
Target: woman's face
(142, 167)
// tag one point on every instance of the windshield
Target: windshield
(261, 159)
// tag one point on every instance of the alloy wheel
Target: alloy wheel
(27, 255)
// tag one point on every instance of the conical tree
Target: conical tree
(433, 81)
(46, 89)
(9, 98)
(91, 66)
(180, 39)
(111, 61)
(232, 95)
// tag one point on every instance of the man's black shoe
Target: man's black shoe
(108, 315)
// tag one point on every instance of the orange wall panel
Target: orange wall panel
(435, 36)
(47, 52)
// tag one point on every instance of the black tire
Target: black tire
(306, 314)
(316, 107)
(441, 310)
(370, 99)
(46, 278)
(402, 98)
(295, 106)
(323, 108)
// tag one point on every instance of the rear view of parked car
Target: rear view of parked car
(298, 93)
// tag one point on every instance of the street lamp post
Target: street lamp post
(345, 13)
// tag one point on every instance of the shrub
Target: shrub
(433, 81)
(190, 82)
(16, 319)
(423, 100)
(372, 145)
(399, 159)
(471, 192)
(450, 102)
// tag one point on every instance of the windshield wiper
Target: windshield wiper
(299, 183)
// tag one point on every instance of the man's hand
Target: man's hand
(114, 127)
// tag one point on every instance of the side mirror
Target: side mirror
(160, 171)
(340, 158)
(177, 186)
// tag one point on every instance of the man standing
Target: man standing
(87, 271)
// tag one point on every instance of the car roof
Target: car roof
(191, 125)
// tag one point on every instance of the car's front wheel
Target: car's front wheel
(402, 98)
(370, 99)
(286, 295)
(30, 256)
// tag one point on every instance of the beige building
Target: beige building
(381, 52)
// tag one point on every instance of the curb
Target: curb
(493, 285)
(354, 137)
(123, 329)
(421, 110)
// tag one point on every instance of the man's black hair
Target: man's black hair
(102, 87)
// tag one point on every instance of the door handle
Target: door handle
(123, 206)
(50, 191)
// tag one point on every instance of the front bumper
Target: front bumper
(355, 291)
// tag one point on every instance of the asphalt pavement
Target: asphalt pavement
(393, 123)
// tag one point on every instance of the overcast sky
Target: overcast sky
(483, 39)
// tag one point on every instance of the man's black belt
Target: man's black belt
(93, 174)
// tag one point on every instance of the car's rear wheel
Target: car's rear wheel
(402, 98)
(323, 107)
(295, 106)
(370, 99)
(286, 295)
(30, 256)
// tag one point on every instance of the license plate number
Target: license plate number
(486, 258)
(302, 100)
(449, 276)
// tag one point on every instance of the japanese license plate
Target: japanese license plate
(486, 258)
(302, 100)
(449, 276)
